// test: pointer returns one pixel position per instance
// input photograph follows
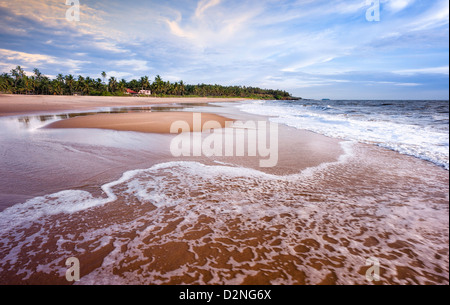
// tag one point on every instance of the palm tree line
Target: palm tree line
(17, 82)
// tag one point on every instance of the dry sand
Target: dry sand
(149, 122)
(11, 105)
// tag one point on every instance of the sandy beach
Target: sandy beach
(114, 197)
(248, 144)
(27, 104)
(157, 122)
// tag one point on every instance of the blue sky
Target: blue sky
(312, 48)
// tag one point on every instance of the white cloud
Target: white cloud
(108, 46)
(203, 5)
(219, 28)
(436, 16)
(118, 75)
(176, 30)
(29, 60)
(307, 63)
(398, 5)
(407, 84)
(389, 83)
(132, 64)
(434, 70)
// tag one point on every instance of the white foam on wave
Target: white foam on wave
(67, 202)
(151, 185)
(389, 132)
(72, 201)
(295, 208)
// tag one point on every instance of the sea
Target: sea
(416, 128)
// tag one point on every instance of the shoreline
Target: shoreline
(298, 150)
(313, 219)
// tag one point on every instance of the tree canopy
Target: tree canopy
(18, 82)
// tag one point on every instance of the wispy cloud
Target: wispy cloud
(132, 64)
(305, 46)
(436, 15)
(207, 28)
(31, 60)
(433, 70)
(398, 5)
(203, 5)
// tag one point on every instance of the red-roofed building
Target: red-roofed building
(129, 91)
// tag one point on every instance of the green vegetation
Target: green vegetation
(17, 82)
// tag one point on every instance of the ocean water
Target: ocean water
(416, 128)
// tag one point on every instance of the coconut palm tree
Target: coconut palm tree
(57, 85)
(18, 75)
(70, 82)
(86, 89)
(113, 84)
(104, 76)
(37, 74)
(98, 85)
(182, 88)
(145, 84)
(37, 81)
(44, 85)
(60, 78)
(122, 86)
(80, 84)
(158, 85)
(6, 83)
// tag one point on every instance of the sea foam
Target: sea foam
(408, 127)
(196, 223)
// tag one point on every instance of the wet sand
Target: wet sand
(151, 122)
(315, 218)
(60, 159)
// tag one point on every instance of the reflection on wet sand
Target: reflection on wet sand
(25, 120)
(45, 118)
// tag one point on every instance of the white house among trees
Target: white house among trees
(145, 92)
